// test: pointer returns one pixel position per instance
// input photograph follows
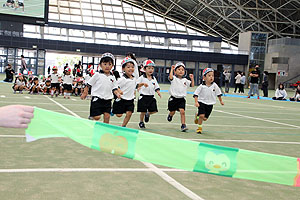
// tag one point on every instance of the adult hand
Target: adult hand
(16, 116)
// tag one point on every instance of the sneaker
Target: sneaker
(15, 92)
(196, 119)
(142, 125)
(147, 116)
(20, 92)
(257, 97)
(90, 118)
(183, 128)
(199, 130)
(248, 97)
(169, 118)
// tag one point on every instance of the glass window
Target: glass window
(75, 11)
(76, 18)
(139, 17)
(53, 9)
(97, 13)
(118, 16)
(65, 17)
(120, 22)
(74, 4)
(86, 5)
(117, 9)
(108, 15)
(107, 8)
(64, 3)
(129, 17)
(88, 19)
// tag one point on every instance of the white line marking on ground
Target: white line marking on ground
(213, 125)
(246, 141)
(12, 136)
(2, 96)
(86, 170)
(159, 172)
(173, 182)
(209, 140)
(63, 107)
(256, 118)
(260, 119)
(74, 99)
(26, 97)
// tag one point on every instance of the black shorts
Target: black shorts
(147, 103)
(10, 1)
(176, 103)
(67, 86)
(55, 85)
(122, 106)
(204, 109)
(99, 106)
(21, 4)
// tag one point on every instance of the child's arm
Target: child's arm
(138, 86)
(220, 99)
(158, 92)
(192, 79)
(118, 93)
(171, 73)
(85, 92)
(196, 101)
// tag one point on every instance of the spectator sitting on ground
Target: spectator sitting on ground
(280, 93)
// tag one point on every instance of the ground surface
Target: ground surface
(112, 177)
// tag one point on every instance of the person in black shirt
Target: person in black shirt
(9, 71)
(265, 83)
(254, 77)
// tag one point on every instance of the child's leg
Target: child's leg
(96, 117)
(172, 113)
(127, 118)
(106, 118)
(119, 115)
(142, 115)
(182, 115)
(201, 119)
(151, 113)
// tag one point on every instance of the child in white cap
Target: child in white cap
(205, 97)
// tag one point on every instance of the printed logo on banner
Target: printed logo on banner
(117, 141)
(215, 159)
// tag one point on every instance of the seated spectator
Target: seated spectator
(280, 93)
(297, 95)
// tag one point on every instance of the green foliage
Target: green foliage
(72, 60)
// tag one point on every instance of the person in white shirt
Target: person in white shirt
(280, 93)
(55, 84)
(178, 91)
(227, 76)
(103, 85)
(35, 88)
(147, 103)
(127, 84)
(238, 82)
(205, 97)
(67, 83)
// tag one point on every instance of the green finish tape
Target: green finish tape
(167, 151)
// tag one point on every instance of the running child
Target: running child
(55, 84)
(147, 103)
(178, 91)
(104, 85)
(67, 83)
(205, 97)
(127, 83)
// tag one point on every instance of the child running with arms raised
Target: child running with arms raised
(127, 84)
(147, 103)
(205, 97)
(178, 91)
(103, 85)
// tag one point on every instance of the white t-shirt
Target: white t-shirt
(207, 95)
(19, 83)
(238, 78)
(54, 78)
(87, 78)
(128, 86)
(280, 93)
(152, 85)
(103, 85)
(68, 79)
(179, 86)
